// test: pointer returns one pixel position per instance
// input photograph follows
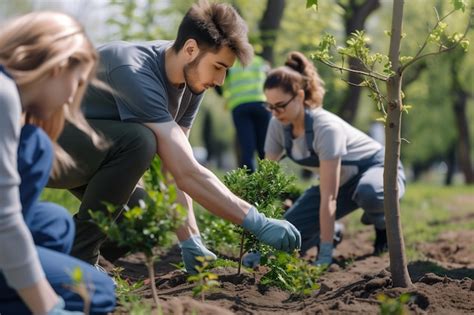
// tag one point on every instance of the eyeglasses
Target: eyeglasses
(278, 108)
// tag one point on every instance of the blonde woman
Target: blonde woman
(46, 61)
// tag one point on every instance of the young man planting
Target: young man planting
(157, 88)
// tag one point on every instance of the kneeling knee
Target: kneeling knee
(368, 199)
(144, 144)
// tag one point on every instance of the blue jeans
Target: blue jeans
(364, 190)
(251, 123)
(52, 229)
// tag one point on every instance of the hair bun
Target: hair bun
(296, 61)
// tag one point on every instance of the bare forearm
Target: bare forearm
(329, 187)
(189, 227)
(327, 217)
(194, 179)
(40, 298)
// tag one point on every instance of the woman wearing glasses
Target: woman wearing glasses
(349, 163)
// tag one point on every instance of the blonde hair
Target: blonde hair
(298, 73)
(31, 46)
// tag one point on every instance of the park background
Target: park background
(437, 131)
(437, 151)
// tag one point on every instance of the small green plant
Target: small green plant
(127, 294)
(219, 234)
(125, 289)
(80, 287)
(291, 273)
(263, 189)
(393, 306)
(150, 224)
(204, 279)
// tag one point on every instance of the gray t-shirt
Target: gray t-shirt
(333, 138)
(136, 72)
(19, 261)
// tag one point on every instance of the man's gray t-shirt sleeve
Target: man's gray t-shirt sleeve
(19, 261)
(140, 99)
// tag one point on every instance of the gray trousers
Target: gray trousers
(363, 191)
(109, 175)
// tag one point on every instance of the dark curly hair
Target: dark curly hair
(214, 25)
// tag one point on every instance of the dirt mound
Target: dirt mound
(453, 248)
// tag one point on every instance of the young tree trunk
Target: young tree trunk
(151, 273)
(398, 263)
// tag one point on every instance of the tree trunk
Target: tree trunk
(355, 15)
(398, 263)
(460, 97)
(151, 273)
(269, 25)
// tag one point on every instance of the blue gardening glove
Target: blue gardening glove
(325, 254)
(192, 248)
(58, 309)
(280, 234)
(251, 259)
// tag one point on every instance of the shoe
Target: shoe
(380, 243)
(338, 233)
(101, 269)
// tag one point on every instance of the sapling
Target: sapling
(147, 225)
(80, 287)
(376, 68)
(262, 189)
(205, 280)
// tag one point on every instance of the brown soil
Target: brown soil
(442, 283)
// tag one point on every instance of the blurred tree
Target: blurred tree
(460, 93)
(269, 25)
(355, 15)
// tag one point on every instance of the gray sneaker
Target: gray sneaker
(101, 269)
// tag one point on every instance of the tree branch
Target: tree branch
(374, 75)
(419, 55)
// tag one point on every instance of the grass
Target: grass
(427, 211)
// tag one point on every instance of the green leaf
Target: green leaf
(311, 4)
(464, 44)
(459, 4)
(76, 275)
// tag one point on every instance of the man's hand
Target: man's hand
(192, 248)
(280, 234)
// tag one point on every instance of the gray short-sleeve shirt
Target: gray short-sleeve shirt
(333, 138)
(142, 92)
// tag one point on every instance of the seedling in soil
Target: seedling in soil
(393, 306)
(150, 224)
(291, 273)
(263, 189)
(125, 289)
(205, 280)
(80, 287)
